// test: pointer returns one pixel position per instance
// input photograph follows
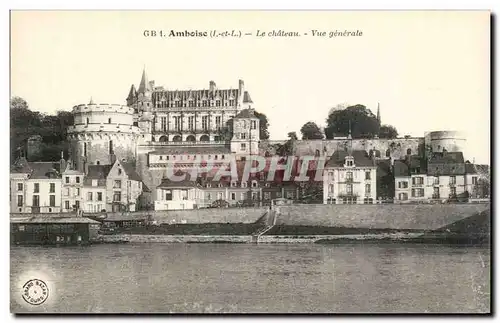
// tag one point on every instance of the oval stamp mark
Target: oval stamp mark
(35, 292)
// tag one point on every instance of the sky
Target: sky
(428, 70)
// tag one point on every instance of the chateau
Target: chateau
(158, 127)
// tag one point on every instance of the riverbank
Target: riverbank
(401, 237)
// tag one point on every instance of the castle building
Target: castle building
(160, 128)
(102, 132)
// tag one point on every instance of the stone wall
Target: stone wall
(397, 148)
(215, 215)
(400, 217)
(229, 215)
(146, 238)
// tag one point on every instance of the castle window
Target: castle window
(387, 153)
(178, 104)
(205, 103)
(87, 120)
(161, 157)
(119, 171)
(218, 122)
(217, 103)
(243, 146)
(222, 157)
(215, 157)
(204, 122)
(254, 124)
(109, 120)
(231, 102)
(377, 153)
(168, 157)
(191, 122)
(408, 151)
(243, 135)
(135, 124)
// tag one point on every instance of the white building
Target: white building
(177, 195)
(442, 177)
(112, 188)
(35, 187)
(350, 178)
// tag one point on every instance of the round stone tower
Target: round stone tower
(440, 141)
(102, 133)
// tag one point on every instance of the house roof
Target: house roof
(98, 171)
(199, 94)
(383, 167)
(21, 166)
(447, 158)
(246, 113)
(42, 170)
(446, 163)
(130, 171)
(191, 150)
(476, 168)
(361, 159)
(401, 168)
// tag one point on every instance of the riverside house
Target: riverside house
(350, 178)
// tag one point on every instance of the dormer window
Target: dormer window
(349, 161)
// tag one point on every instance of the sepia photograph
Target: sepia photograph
(250, 162)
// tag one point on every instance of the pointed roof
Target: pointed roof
(378, 112)
(133, 93)
(144, 86)
(247, 98)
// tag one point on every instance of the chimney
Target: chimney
(241, 90)
(62, 163)
(112, 159)
(85, 167)
(212, 86)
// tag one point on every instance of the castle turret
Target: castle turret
(101, 130)
(246, 134)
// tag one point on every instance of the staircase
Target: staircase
(269, 221)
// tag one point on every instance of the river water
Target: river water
(242, 278)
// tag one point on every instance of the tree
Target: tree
(263, 125)
(287, 148)
(25, 123)
(310, 130)
(18, 103)
(388, 132)
(363, 122)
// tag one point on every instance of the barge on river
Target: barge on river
(53, 230)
